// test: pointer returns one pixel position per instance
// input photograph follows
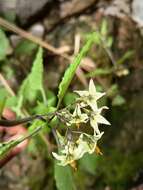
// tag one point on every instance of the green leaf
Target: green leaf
(39, 141)
(5, 147)
(6, 100)
(34, 81)
(51, 98)
(69, 98)
(69, 74)
(3, 98)
(36, 124)
(4, 45)
(64, 178)
(11, 101)
(89, 163)
(18, 106)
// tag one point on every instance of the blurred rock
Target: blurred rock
(24, 9)
(137, 7)
(119, 8)
(37, 30)
(74, 6)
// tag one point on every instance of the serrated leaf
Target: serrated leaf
(34, 81)
(64, 178)
(36, 75)
(69, 74)
(4, 45)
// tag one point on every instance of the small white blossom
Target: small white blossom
(96, 118)
(74, 151)
(88, 142)
(78, 117)
(91, 96)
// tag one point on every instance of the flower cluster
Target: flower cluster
(86, 111)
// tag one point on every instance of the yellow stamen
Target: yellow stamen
(78, 125)
(98, 151)
(74, 165)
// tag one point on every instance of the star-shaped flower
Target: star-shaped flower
(78, 116)
(96, 118)
(68, 154)
(74, 151)
(89, 142)
(91, 96)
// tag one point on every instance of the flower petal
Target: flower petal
(93, 104)
(102, 120)
(102, 108)
(94, 125)
(92, 89)
(58, 157)
(98, 95)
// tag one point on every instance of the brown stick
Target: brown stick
(6, 85)
(4, 23)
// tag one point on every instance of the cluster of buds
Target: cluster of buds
(86, 111)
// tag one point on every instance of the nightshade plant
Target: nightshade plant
(86, 110)
(76, 117)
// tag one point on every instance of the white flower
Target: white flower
(88, 143)
(91, 96)
(96, 118)
(74, 151)
(68, 154)
(78, 117)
